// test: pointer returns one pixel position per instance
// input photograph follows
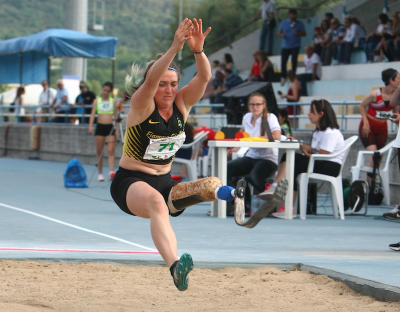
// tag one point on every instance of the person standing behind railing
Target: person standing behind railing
(60, 103)
(46, 97)
(18, 102)
(373, 129)
(85, 98)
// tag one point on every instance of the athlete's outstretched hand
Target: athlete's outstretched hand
(182, 34)
(197, 36)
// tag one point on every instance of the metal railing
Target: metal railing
(215, 118)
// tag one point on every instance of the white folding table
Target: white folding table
(219, 168)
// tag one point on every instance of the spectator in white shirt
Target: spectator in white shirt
(259, 164)
(313, 72)
(326, 139)
(346, 45)
(45, 99)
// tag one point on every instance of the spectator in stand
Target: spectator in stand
(267, 13)
(293, 95)
(266, 67)
(318, 40)
(255, 68)
(313, 72)
(329, 16)
(231, 80)
(217, 86)
(291, 30)
(330, 50)
(373, 39)
(46, 97)
(392, 45)
(326, 32)
(214, 68)
(85, 98)
(228, 60)
(284, 122)
(60, 103)
(360, 34)
(346, 45)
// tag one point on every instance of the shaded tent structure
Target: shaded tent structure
(27, 59)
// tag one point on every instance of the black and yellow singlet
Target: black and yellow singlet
(155, 141)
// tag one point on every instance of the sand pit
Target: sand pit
(38, 286)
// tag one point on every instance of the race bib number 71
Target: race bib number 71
(160, 149)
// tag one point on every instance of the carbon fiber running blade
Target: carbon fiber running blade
(264, 210)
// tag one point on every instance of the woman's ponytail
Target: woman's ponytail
(132, 82)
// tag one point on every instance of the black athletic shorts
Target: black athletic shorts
(124, 178)
(104, 129)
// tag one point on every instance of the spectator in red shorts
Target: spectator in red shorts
(293, 95)
(373, 128)
(255, 68)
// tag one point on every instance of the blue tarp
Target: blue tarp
(37, 48)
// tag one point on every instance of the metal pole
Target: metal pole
(21, 67)
(180, 20)
(113, 71)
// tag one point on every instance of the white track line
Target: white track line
(77, 250)
(77, 227)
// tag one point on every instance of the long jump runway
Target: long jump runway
(40, 219)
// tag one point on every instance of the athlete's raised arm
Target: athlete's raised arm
(143, 93)
(194, 91)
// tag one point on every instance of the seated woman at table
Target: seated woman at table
(326, 139)
(258, 164)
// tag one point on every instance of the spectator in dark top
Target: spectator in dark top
(317, 40)
(255, 68)
(231, 80)
(228, 60)
(313, 72)
(346, 45)
(217, 86)
(360, 34)
(328, 16)
(330, 50)
(392, 45)
(214, 67)
(85, 98)
(291, 30)
(266, 67)
(267, 13)
(373, 39)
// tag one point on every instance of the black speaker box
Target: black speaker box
(236, 100)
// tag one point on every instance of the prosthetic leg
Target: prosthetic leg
(188, 194)
(264, 210)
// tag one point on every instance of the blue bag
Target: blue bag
(74, 174)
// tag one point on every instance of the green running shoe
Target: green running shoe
(181, 272)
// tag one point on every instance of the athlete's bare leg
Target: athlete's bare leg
(146, 202)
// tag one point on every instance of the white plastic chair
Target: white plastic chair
(383, 173)
(336, 188)
(191, 164)
(202, 163)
